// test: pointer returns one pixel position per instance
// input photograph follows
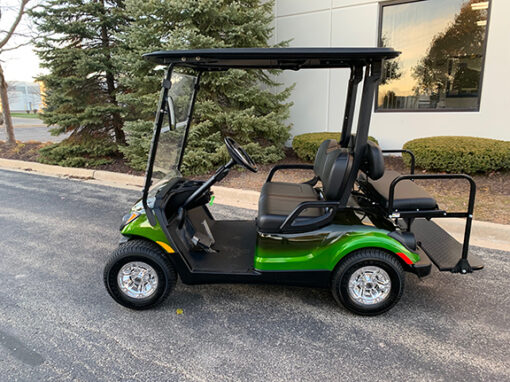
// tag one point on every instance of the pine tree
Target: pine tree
(76, 42)
(247, 105)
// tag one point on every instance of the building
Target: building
(24, 96)
(451, 79)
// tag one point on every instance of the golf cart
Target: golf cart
(354, 227)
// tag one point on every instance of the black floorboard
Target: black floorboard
(444, 251)
(235, 245)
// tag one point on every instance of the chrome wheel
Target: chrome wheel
(137, 280)
(369, 285)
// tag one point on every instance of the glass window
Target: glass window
(443, 48)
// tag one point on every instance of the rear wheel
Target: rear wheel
(368, 282)
(139, 275)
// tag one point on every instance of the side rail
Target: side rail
(463, 265)
(291, 167)
(291, 225)
(403, 151)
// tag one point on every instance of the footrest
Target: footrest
(444, 251)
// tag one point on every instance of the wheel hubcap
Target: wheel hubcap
(137, 280)
(369, 285)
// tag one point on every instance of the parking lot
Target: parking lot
(57, 322)
(31, 129)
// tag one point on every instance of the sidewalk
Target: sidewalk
(483, 234)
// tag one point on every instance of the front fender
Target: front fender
(140, 227)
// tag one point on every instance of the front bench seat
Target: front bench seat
(408, 195)
(274, 209)
(278, 199)
(304, 190)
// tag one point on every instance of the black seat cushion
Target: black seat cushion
(301, 190)
(274, 208)
(408, 195)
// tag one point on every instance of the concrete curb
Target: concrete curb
(484, 234)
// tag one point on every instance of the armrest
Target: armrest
(286, 167)
(403, 151)
(290, 225)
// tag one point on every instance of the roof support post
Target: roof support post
(350, 104)
(160, 114)
(372, 75)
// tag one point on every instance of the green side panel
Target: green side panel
(322, 249)
(141, 227)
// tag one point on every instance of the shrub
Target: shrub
(306, 145)
(83, 153)
(460, 154)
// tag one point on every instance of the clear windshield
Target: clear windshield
(173, 131)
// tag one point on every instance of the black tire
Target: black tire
(363, 258)
(147, 252)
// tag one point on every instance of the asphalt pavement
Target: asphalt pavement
(31, 129)
(57, 322)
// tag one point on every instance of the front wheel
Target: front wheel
(368, 282)
(139, 275)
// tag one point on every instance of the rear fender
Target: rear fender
(354, 241)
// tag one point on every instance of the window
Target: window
(443, 49)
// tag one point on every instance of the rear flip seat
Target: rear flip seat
(408, 196)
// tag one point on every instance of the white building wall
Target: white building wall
(24, 96)
(319, 96)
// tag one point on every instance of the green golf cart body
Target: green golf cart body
(353, 227)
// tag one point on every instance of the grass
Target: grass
(25, 115)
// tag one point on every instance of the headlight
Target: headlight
(128, 218)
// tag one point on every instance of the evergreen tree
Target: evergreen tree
(76, 41)
(246, 105)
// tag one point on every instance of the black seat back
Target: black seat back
(373, 161)
(326, 147)
(332, 166)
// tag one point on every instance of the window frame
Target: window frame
(377, 109)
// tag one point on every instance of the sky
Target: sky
(21, 64)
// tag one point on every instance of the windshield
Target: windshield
(173, 131)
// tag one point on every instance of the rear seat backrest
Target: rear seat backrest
(373, 162)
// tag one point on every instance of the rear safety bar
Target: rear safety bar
(463, 264)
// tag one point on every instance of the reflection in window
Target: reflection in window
(443, 47)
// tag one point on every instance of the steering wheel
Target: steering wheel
(239, 155)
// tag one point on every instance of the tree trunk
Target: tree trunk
(117, 122)
(11, 140)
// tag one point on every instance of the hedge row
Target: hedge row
(306, 145)
(467, 155)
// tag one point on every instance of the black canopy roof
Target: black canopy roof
(271, 58)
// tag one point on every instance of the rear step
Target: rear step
(444, 251)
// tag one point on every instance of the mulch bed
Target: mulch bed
(492, 199)
(29, 151)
